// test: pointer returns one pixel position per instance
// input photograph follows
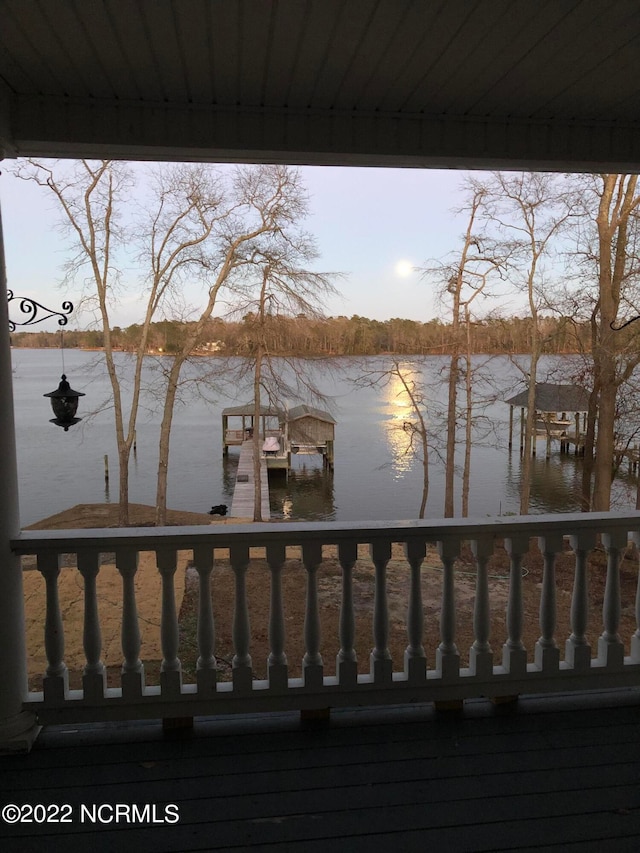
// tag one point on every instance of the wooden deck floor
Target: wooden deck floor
(242, 502)
(559, 774)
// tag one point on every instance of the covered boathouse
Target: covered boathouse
(311, 430)
(238, 424)
(553, 405)
(302, 429)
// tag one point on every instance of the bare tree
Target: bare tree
(281, 283)
(617, 206)
(90, 196)
(530, 210)
(608, 258)
(465, 278)
(198, 224)
(261, 208)
(189, 209)
(185, 206)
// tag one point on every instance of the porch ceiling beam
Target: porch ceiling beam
(33, 125)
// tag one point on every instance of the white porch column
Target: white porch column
(18, 729)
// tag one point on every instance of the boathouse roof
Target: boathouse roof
(294, 414)
(309, 411)
(248, 410)
(554, 398)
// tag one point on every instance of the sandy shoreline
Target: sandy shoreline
(148, 586)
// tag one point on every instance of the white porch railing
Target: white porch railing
(497, 665)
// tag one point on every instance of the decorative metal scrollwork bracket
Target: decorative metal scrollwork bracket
(33, 311)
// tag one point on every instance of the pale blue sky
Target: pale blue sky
(365, 221)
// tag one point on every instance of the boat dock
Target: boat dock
(557, 407)
(628, 452)
(303, 429)
(243, 494)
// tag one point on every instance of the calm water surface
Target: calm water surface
(374, 476)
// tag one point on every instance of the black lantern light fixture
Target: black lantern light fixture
(64, 400)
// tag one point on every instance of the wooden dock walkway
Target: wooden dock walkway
(630, 453)
(242, 503)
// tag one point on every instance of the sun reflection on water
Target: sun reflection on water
(400, 427)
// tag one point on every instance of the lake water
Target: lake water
(374, 478)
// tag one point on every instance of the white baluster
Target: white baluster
(514, 655)
(547, 654)
(480, 654)
(171, 668)
(415, 659)
(132, 669)
(346, 660)
(56, 679)
(610, 649)
(94, 676)
(312, 664)
(577, 649)
(242, 673)
(206, 667)
(447, 654)
(381, 663)
(277, 661)
(635, 640)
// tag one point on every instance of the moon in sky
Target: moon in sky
(404, 268)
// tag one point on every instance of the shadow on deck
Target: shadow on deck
(550, 773)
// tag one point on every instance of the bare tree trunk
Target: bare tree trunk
(163, 444)
(588, 451)
(530, 423)
(605, 439)
(173, 382)
(592, 417)
(452, 405)
(455, 287)
(529, 435)
(260, 347)
(466, 473)
(123, 485)
(471, 274)
(257, 484)
(617, 203)
(425, 481)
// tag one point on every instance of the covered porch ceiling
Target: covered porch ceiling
(456, 83)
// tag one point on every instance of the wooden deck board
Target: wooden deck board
(243, 496)
(403, 762)
(372, 779)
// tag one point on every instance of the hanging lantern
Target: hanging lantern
(64, 402)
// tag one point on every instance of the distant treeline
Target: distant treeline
(330, 336)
